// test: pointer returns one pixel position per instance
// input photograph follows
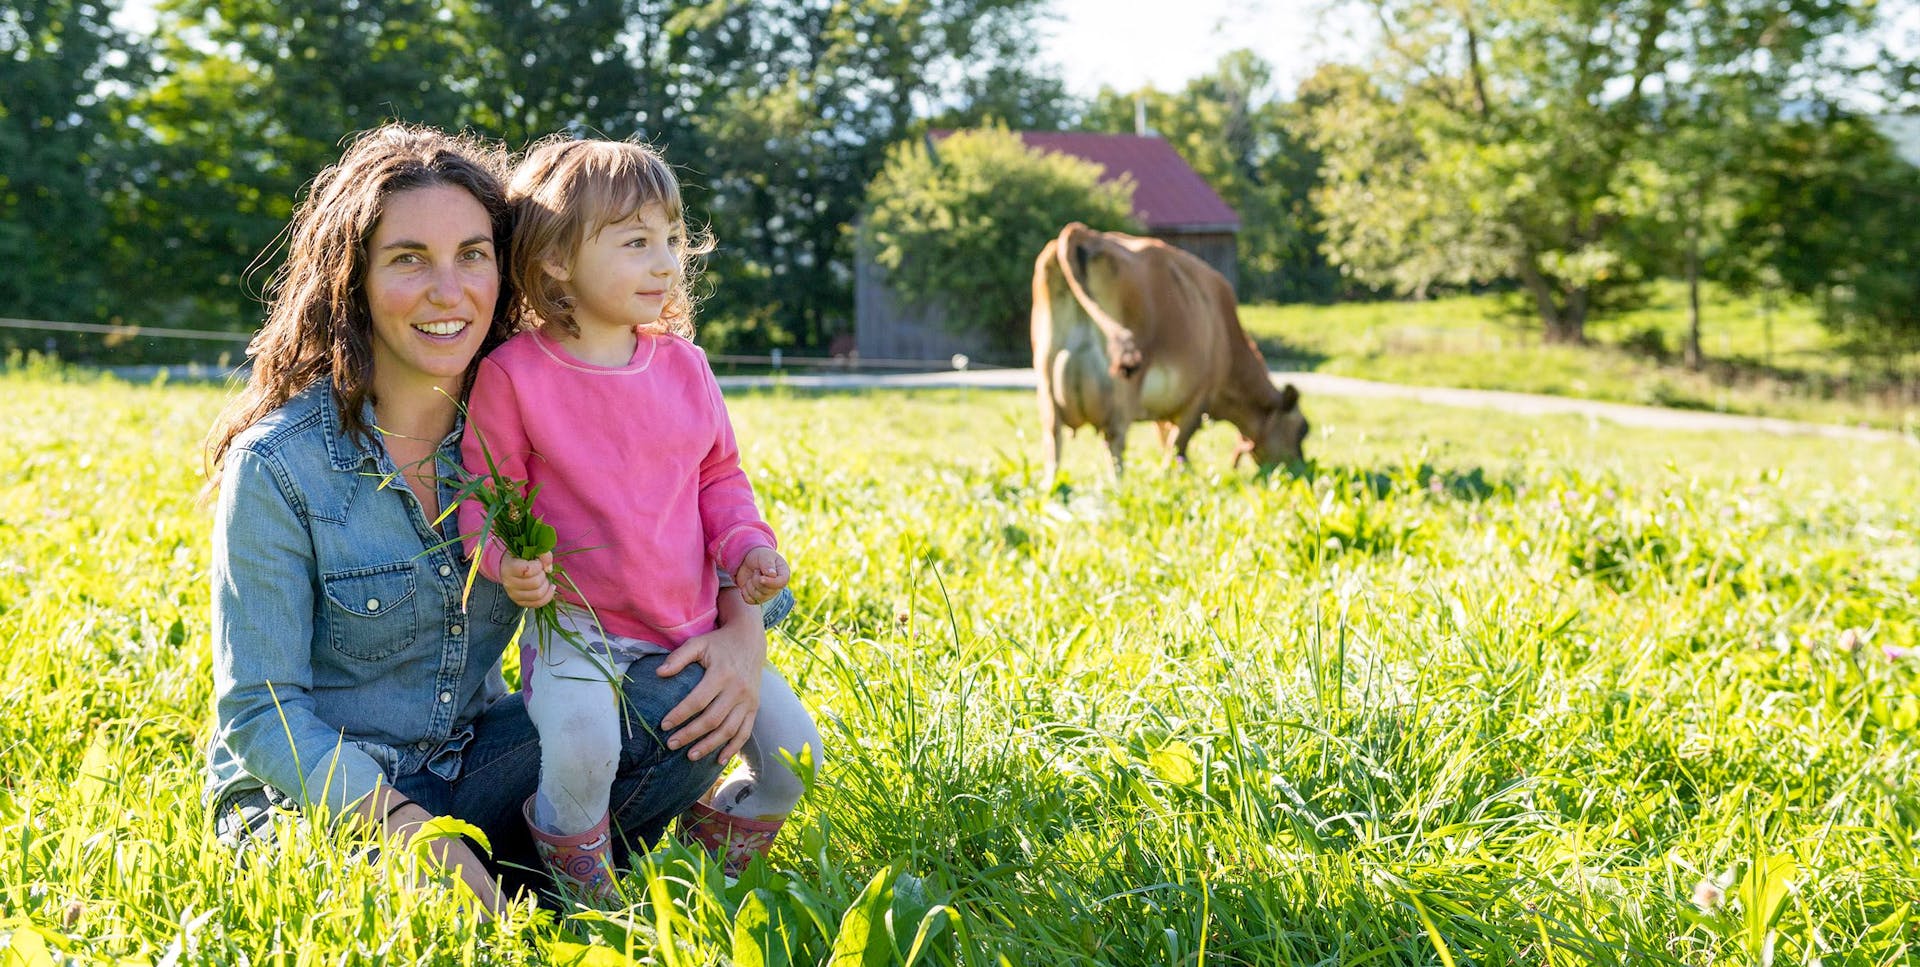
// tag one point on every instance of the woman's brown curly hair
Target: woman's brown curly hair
(318, 322)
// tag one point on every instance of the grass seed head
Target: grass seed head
(1708, 896)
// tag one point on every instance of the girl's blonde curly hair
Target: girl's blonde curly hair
(564, 192)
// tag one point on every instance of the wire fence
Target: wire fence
(773, 359)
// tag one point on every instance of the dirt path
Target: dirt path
(1312, 384)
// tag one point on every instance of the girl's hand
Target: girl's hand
(719, 712)
(526, 582)
(763, 572)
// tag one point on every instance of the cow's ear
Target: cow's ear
(1289, 398)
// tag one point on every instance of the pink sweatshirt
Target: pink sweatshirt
(635, 463)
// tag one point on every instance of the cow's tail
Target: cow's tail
(1123, 353)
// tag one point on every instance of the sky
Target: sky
(1128, 44)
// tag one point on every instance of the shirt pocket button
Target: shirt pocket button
(371, 611)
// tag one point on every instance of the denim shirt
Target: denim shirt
(343, 655)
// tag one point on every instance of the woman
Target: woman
(348, 674)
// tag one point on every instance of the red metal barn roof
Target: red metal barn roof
(1169, 196)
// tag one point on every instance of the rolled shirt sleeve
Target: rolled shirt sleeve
(264, 586)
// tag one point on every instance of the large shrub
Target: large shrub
(957, 227)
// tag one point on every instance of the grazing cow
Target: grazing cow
(1128, 329)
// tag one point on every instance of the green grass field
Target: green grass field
(1777, 361)
(1472, 689)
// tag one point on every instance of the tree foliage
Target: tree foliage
(1569, 148)
(805, 99)
(64, 68)
(1834, 214)
(1494, 139)
(1248, 144)
(959, 226)
(778, 114)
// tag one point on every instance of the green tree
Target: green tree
(255, 98)
(1248, 144)
(802, 101)
(65, 68)
(778, 114)
(1834, 213)
(1494, 139)
(590, 66)
(959, 226)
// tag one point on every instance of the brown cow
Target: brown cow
(1128, 328)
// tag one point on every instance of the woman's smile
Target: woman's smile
(443, 328)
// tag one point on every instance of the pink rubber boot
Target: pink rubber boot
(582, 863)
(735, 840)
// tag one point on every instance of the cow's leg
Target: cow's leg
(1183, 431)
(1165, 432)
(1117, 446)
(1049, 434)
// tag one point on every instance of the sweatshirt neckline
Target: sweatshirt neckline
(645, 345)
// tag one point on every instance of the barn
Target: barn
(1170, 200)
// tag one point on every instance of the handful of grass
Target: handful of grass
(507, 514)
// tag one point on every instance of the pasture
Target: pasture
(1762, 359)
(1470, 689)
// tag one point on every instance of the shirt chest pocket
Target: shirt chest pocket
(372, 612)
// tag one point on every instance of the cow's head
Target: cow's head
(1277, 437)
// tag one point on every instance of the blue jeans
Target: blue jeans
(500, 768)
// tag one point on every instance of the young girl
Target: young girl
(614, 414)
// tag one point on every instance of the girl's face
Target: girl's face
(622, 276)
(432, 281)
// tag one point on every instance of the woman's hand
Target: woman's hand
(403, 817)
(719, 712)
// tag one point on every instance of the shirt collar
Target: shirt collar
(347, 451)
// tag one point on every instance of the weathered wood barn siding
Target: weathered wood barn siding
(1218, 249)
(886, 327)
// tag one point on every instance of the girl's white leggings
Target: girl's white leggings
(573, 702)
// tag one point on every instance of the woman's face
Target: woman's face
(432, 281)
